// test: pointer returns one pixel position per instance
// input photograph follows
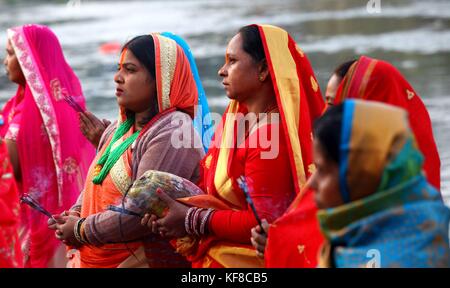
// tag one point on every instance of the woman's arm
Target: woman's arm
(271, 189)
(158, 154)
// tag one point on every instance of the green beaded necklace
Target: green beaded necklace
(109, 158)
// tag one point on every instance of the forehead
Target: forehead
(334, 81)
(235, 45)
(9, 45)
(129, 57)
(319, 156)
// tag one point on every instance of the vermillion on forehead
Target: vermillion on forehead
(122, 57)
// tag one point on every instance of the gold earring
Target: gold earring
(261, 78)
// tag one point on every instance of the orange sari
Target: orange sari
(377, 80)
(176, 89)
(299, 102)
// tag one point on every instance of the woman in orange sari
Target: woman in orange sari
(155, 91)
(10, 252)
(377, 80)
(268, 75)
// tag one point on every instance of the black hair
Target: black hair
(327, 130)
(252, 43)
(343, 68)
(143, 48)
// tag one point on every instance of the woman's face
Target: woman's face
(135, 87)
(332, 88)
(325, 181)
(13, 70)
(240, 73)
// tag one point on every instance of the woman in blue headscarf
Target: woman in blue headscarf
(377, 208)
(93, 128)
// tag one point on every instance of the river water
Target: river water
(413, 35)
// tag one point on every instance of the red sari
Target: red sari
(10, 252)
(273, 183)
(377, 80)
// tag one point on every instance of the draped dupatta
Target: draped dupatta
(377, 80)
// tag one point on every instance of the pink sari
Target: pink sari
(54, 156)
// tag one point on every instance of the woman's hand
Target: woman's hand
(64, 230)
(59, 218)
(92, 127)
(172, 224)
(259, 239)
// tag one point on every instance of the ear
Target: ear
(263, 71)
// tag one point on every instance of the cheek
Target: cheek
(327, 192)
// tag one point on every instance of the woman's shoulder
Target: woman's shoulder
(170, 122)
(107, 133)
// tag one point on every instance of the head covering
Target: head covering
(389, 208)
(372, 79)
(202, 120)
(54, 155)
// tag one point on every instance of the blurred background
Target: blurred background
(413, 35)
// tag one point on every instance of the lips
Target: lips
(119, 92)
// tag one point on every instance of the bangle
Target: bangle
(195, 221)
(187, 220)
(81, 232)
(76, 230)
(205, 220)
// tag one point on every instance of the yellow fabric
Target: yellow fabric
(235, 257)
(371, 146)
(222, 181)
(287, 83)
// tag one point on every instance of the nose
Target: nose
(222, 71)
(118, 77)
(5, 62)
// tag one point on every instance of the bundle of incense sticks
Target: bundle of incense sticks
(73, 103)
(244, 186)
(27, 199)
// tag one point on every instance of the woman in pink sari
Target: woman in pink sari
(49, 155)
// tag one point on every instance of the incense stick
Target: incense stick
(27, 199)
(73, 103)
(123, 211)
(243, 185)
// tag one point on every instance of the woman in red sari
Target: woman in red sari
(265, 72)
(49, 155)
(10, 253)
(377, 80)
